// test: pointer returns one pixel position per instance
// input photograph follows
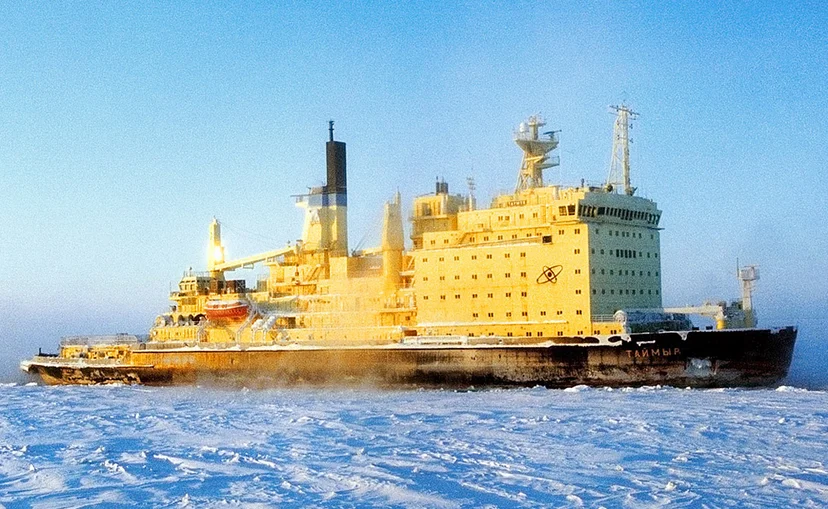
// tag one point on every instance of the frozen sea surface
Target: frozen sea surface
(649, 447)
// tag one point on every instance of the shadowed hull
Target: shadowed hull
(731, 358)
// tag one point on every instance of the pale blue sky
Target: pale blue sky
(125, 129)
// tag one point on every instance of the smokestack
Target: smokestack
(336, 163)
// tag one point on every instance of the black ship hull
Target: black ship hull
(726, 358)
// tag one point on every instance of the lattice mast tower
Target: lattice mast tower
(535, 153)
(619, 173)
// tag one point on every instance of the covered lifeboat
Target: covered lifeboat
(226, 309)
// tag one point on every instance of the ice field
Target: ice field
(647, 447)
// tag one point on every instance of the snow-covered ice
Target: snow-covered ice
(198, 447)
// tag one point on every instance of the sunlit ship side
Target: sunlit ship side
(547, 286)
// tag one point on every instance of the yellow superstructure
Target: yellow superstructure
(540, 262)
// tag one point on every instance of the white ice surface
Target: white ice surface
(196, 447)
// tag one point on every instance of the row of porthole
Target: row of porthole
(626, 272)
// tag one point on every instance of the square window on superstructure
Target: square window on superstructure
(488, 276)
(543, 313)
(508, 275)
(491, 315)
(488, 256)
(507, 255)
(474, 257)
(523, 294)
(508, 294)
(491, 295)
(456, 277)
(522, 274)
(523, 255)
(524, 313)
(456, 258)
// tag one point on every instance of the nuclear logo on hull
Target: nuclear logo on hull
(550, 274)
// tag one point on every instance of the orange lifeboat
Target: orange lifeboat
(226, 309)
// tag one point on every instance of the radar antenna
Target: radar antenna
(535, 153)
(619, 173)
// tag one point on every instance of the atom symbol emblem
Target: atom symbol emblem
(550, 274)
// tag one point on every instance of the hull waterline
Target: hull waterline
(733, 358)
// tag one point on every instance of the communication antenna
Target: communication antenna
(472, 201)
(535, 153)
(619, 174)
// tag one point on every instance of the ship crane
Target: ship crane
(216, 263)
(737, 314)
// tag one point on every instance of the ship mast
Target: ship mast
(535, 153)
(619, 173)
